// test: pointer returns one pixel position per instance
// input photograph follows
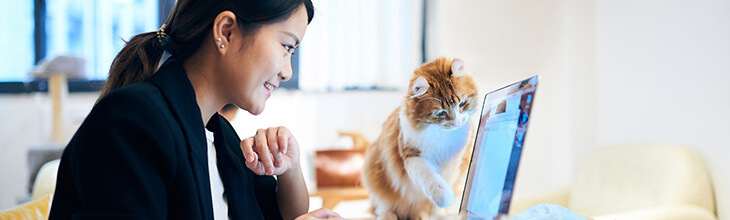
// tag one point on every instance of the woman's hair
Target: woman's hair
(187, 26)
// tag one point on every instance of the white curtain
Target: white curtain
(361, 44)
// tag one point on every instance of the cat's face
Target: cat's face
(441, 94)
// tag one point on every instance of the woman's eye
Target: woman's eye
(288, 48)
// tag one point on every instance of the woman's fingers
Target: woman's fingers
(247, 148)
(271, 135)
(251, 156)
(264, 153)
(324, 213)
(282, 137)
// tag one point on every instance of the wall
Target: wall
(663, 74)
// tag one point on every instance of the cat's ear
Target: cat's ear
(420, 86)
(457, 68)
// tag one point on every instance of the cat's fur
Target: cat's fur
(413, 166)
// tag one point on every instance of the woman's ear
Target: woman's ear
(223, 30)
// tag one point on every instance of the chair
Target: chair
(34, 210)
(45, 181)
(42, 196)
(636, 181)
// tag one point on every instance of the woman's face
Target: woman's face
(263, 62)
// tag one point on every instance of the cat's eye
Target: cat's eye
(439, 113)
(462, 103)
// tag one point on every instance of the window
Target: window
(366, 44)
(92, 30)
(16, 39)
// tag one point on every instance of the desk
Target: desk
(333, 195)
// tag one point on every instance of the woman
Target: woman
(141, 152)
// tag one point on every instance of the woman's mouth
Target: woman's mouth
(269, 88)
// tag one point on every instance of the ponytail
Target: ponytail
(136, 62)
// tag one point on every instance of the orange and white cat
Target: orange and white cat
(422, 150)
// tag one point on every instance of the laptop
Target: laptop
(497, 149)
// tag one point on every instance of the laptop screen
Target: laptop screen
(497, 150)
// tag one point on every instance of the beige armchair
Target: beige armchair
(40, 205)
(636, 181)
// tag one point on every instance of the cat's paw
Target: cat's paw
(442, 194)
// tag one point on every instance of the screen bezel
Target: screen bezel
(470, 175)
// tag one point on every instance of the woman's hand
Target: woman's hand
(322, 213)
(272, 151)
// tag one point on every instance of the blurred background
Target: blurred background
(611, 71)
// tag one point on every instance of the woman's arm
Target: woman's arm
(292, 193)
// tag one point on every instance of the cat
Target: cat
(421, 152)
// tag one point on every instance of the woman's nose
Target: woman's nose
(286, 73)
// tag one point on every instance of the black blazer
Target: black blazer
(141, 154)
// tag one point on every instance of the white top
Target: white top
(220, 205)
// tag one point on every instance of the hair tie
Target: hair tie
(166, 42)
(161, 33)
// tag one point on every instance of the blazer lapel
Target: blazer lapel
(237, 178)
(172, 80)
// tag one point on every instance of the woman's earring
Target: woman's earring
(219, 40)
